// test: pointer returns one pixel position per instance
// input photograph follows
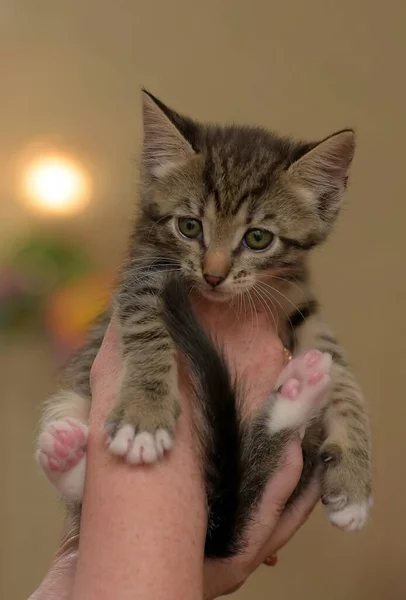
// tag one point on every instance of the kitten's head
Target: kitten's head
(234, 205)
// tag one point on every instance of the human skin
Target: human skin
(143, 529)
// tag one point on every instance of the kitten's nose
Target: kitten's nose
(213, 280)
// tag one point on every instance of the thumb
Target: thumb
(276, 494)
(58, 582)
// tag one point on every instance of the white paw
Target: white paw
(62, 455)
(303, 389)
(139, 448)
(350, 518)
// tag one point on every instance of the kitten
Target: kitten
(229, 211)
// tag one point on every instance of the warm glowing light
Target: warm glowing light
(56, 184)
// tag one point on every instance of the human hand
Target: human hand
(272, 527)
(257, 354)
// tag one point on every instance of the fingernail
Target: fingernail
(271, 560)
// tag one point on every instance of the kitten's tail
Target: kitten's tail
(220, 433)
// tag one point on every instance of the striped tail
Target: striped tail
(220, 433)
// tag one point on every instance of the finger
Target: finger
(292, 519)
(277, 492)
(58, 582)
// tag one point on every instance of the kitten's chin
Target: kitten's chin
(215, 295)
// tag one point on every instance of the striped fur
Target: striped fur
(228, 180)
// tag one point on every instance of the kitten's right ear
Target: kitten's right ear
(164, 146)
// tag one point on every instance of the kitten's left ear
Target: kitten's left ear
(320, 175)
(164, 146)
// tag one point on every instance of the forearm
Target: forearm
(143, 528)
(156, 515)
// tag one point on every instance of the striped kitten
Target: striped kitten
(229, 211)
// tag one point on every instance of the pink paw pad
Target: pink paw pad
(62, 445)
(291, 388)
(315, 377)
(53, 464)
(311, 357)
(61, 449)
(306, 379)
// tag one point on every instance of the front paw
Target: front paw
(139, 433)
(346, 489)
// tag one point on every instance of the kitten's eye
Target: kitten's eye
(190, 228)
(257, 239)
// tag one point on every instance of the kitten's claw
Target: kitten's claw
(349, 517)
(61, 454)
(335, 503)
(303, 388)
(140, 448)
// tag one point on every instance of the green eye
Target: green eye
(190, 228)
(257, 239)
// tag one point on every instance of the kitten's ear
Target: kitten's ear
(321, 174)
(164, 146)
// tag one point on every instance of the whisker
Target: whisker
(293, 284)
(145, 276)
(264, 303)
(154, 225)
(148, 262)
(239, 307)
(235, 309)
(260, 300)
(244, 303)
(191, 289)
(253, 308)
(268, 293)
(256, 313)
(247, 298)
(283, 295)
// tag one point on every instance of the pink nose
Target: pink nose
(213, 280)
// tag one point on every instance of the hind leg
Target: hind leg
(302, 391)
(62, 443)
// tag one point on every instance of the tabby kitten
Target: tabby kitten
(229, 211)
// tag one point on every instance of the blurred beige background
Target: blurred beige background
(71, 72)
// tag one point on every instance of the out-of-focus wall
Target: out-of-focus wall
(71, 72)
